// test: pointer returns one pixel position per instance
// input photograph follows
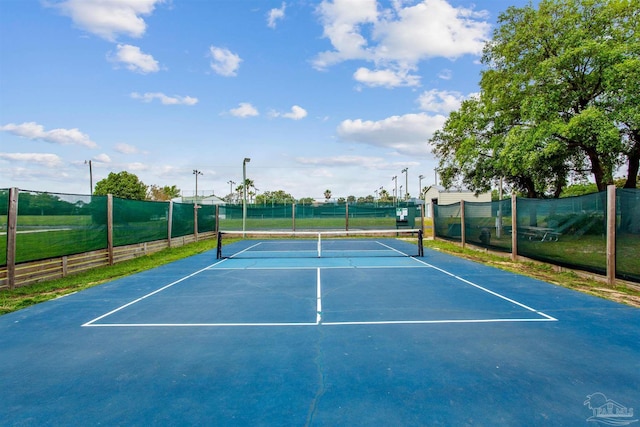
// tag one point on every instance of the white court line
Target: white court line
(487, 290)
(544, 317)
(318, 298)
(393, 249)
(185, 325)
(90, 323)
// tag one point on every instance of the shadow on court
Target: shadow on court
(394, 341)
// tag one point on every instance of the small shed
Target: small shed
(202, 200)
(448, 196)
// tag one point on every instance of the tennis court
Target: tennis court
(322, 331)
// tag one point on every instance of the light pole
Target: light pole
(196, 172)
(406, 182)
(244, 194)
(230, 182)
(395, 192)
(420, 185)
(90, 177)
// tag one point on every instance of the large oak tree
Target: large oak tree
(559, 98)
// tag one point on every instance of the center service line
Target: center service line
(318, 298)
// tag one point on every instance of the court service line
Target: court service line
(428, 322)
(393, 249)
(90, 323)
(318, 298)
(487, 290)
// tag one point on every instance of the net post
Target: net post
(420, 244)
(219, 246)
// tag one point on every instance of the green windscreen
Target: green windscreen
(138, 221)
(628, 234)
(52, 225)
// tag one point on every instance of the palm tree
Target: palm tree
(249, 184)
(327, 195)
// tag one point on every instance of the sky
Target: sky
(338, 95)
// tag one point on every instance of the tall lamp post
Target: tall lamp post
(90, 176)
(196, 172)
(405, 171)
(244, 194)
(420, 185)
(230, 182)
(395, 193)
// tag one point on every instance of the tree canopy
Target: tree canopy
(123, 184)
(278, 197)
(162, 193)
(559, 99)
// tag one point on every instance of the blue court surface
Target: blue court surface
(277, 336)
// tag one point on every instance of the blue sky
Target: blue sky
(336, 94)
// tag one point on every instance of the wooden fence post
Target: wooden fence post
(463, 232)
(346, 217)
(12, 222)
(195, 220)
(514, 228)
(217, 227)
(110, 227)
(293, 216)
(611, 235)
(434, 202)
(169, 223)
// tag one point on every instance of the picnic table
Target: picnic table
(542, 234)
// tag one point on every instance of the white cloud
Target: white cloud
(432, 28)
(385, 78)
(399, 38)
(296, 113)
(342, 23)
(407, 134)
(164, 99)
(436, 101)
(108, 18)
(134, 59)
(341, 161)
(445, 74)
(245, 109)
(34, 131)
(274, 15)
(137, 166)
(102, 158)
(44, 159)
(126, 148)
(223, 61)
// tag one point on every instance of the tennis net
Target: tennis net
(327, 244)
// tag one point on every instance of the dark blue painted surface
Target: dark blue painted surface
(54, 371)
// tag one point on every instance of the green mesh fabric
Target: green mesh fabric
(447, 222)
(488, 224)
(206, 218)
(628, 234)
(183, 220)
(52, 225)
(328, 216)
(372, 217)
(138, 221)
(4, 215)
(569, 231)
